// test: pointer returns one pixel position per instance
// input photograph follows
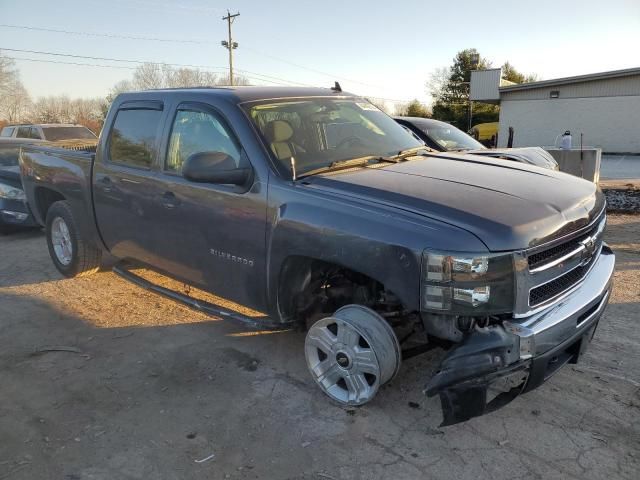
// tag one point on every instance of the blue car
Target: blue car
(14, 210)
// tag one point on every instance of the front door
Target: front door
(210, 235)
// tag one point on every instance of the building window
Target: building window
(554, 94)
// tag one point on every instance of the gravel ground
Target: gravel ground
(153, 390)
(623, 198)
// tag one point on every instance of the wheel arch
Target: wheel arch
(297, 272)
(45, 197)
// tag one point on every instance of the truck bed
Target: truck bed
(49, 172)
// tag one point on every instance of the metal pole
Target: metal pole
(230, 52)
(230, 45)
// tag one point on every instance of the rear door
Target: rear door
(23, 132)
(124, 180)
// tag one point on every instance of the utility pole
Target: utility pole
(475, 60)
(230, 44)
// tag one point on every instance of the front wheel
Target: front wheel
(72, 255)
(352, 354)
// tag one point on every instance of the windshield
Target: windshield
(54, 134)
(320, 131)
(451, 138)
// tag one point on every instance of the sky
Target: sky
(385, 49)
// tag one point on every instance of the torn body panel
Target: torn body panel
(491, 366)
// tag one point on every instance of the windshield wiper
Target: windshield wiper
(410, 152)
(343, 164)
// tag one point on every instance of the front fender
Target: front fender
(382, 243)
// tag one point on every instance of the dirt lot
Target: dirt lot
(154, 387)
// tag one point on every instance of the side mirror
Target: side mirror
(214, 167)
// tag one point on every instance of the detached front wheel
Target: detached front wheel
(72, 255)
(352, 354)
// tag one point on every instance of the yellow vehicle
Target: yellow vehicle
(484, 131)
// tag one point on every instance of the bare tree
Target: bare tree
(438, 80)
(149, 76)
(383, 104)
(189, 77)
(237, 80)
(15, 101)
(14, 98)
(8, 72)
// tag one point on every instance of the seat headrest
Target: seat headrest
(279, 131)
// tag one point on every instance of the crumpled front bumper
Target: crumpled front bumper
(495, 364)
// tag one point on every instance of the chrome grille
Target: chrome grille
(548, 291)
(539, 259)
(548, 273)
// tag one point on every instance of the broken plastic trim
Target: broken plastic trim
(486, 356)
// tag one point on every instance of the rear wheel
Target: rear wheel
(352, 354)
(72, 255)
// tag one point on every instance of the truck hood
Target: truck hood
(532, 155)
(508, 206)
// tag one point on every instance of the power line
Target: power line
(200, 42)
(152, 6)
(70, 63)
(213, 69)
(330, 75)
(141, 62)
(103, 35)
(40, 60)
(251, 77)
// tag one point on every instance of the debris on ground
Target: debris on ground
(55, 348)
(206, 459)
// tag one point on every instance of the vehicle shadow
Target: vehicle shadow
(24, 259)
(155, 398)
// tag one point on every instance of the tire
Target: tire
(72, 255)
(351, 354)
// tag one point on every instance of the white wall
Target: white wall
(610, 123)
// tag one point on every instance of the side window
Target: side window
(7, 132)
(23, 132)
(194, 132)
(132, 141)
(34, 133)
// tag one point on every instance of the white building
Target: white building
(603, 107)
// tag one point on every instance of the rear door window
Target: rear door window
(24, 132)
(133, 138)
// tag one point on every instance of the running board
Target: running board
(261, 323)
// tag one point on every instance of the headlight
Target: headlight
(11, 193)
(467, 284)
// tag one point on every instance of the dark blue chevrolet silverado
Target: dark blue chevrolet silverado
(313, 206)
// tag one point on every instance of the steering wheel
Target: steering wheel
(349, 141)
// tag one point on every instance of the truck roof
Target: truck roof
(240, 94)
(45, 125)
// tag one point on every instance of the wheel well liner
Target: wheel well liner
(45, 197)
(296, 275)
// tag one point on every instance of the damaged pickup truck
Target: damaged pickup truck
(315, 207)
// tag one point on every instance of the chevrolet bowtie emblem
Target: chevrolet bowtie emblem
(589, 245)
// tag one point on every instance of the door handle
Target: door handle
(169, 200)
(106, 184)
